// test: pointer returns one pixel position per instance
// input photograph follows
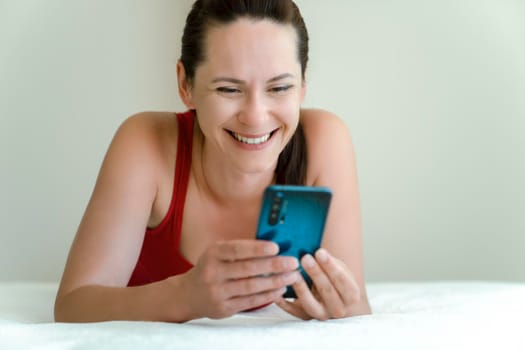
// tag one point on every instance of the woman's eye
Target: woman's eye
(280, 89)
(228, 90)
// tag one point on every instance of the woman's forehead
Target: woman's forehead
(248, 44)
(248, 24)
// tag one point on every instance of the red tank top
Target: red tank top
(160, 256)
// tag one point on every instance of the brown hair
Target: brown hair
(292, 162)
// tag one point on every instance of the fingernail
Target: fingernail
(308, 260)
(322, 255)
(271, 248)
(292, 263)
(291, 278)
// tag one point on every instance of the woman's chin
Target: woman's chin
(255, 167)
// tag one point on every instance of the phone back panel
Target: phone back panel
(294, 217)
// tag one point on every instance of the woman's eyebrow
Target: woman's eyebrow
(239, 81)
(281, 76)
(228, 80)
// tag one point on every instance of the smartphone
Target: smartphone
(294, 217)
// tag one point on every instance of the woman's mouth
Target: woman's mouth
(250, 140)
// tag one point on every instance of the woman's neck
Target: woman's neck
(223, 183)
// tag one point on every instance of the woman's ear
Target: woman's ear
(184, 86)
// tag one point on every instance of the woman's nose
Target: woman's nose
(254, 110)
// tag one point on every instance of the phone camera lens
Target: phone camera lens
(275, 210)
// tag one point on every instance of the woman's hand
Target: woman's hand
(335, 292)
(237, 275)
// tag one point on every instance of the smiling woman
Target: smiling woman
(169, 233)
(251, 89)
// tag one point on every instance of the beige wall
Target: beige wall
(433, 92)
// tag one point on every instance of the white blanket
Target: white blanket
(437, 315)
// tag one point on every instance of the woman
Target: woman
(169, 231)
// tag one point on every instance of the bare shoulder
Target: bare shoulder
(331, 163)
(121, 204)
(139, 159)
(146, 140)
(323, 130)
(328, 141)
(320, 118)
(152, 131)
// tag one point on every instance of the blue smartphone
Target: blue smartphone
(294, 217)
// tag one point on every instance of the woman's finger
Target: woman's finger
(309, 303)
(328, 293)
(216, 261)
(340, 276)
(260, 266)
(260, 284)
(233, 250)
(294, 308)
(248, 302)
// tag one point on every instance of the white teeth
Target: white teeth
(251, 141)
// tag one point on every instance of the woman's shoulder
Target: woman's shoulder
(147, 140)
(323, 128)
(153, 131)
(149, 124)
(328, 141)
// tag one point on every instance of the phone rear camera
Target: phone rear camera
(275, 209)
(272, 220)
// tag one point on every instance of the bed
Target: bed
(423, 315)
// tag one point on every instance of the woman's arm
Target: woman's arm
(109, 238)
(337, 270)
(229, 276)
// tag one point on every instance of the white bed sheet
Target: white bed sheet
(431, 315)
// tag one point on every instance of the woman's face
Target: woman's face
(247, 92)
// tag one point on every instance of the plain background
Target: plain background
(432, 91)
